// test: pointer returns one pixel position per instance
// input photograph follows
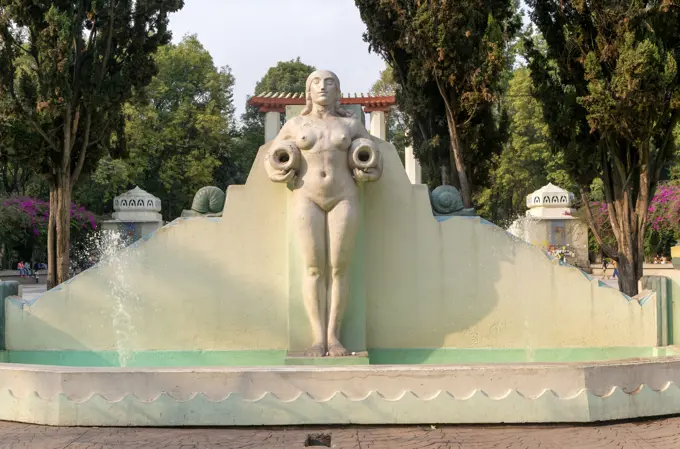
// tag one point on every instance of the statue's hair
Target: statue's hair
(338, 109)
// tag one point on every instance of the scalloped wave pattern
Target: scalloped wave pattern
(374, 408)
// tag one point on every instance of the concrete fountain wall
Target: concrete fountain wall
(232, 284)
(228, 291)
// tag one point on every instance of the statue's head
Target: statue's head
(323, 89)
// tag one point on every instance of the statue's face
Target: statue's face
(323, 88)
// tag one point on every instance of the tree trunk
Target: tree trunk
(459, 160)
(51, 241)
(456, 148)
(63, 219)
(628, 282)
(58, 232)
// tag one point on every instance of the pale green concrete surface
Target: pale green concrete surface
(7, 288)
(416, 283)
(374, 357)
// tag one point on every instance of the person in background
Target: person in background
(605, 264)
(615, 275)
(20, 267)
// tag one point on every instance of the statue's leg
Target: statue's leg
(311, 229)
(342, 230)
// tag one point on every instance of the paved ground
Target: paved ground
(655, 434)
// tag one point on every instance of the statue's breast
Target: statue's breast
(324, 135)
(306, 139)
(340, 138)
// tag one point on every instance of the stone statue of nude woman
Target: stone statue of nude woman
(322, 154)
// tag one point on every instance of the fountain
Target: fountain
(441, 314)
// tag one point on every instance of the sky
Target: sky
(252, 35)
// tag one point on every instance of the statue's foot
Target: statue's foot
(337, 350)
(317, 350)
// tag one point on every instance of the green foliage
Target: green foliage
(69, 66)
(386, 83)
(674, 164)
(285, 76)
(180, 136)
(447, 57)
(608, 83)
(111, 178)
(526, 163)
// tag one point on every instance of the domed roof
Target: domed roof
(136, 200)
(137, 205)
(550, 196)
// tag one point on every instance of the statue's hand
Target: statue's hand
(366, 175)
(283, 161)
(365, 160)
(282, 176)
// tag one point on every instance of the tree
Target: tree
(17, 140)
(111, 178)
(526, 162)
(86, 59)
(285, 76)
(459, 47)
(608, 83)
(180, 137)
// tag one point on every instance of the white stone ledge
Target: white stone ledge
(510, 393)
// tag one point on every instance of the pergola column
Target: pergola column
(378, 126)
(412, 166)
(272, 125)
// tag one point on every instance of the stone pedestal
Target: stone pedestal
(299, 359)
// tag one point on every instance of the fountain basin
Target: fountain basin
(373, 394)
(439, 356)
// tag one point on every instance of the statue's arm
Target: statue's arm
(365, 159)
(283, 157)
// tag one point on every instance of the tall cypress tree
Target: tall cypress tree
(609, 86)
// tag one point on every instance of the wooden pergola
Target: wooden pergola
(277, 101)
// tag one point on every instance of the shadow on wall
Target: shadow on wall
(466, 283)
(426, 280)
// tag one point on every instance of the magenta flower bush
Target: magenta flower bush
(37, 212)
(663, 221)
(664, 212)
(24, 221)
